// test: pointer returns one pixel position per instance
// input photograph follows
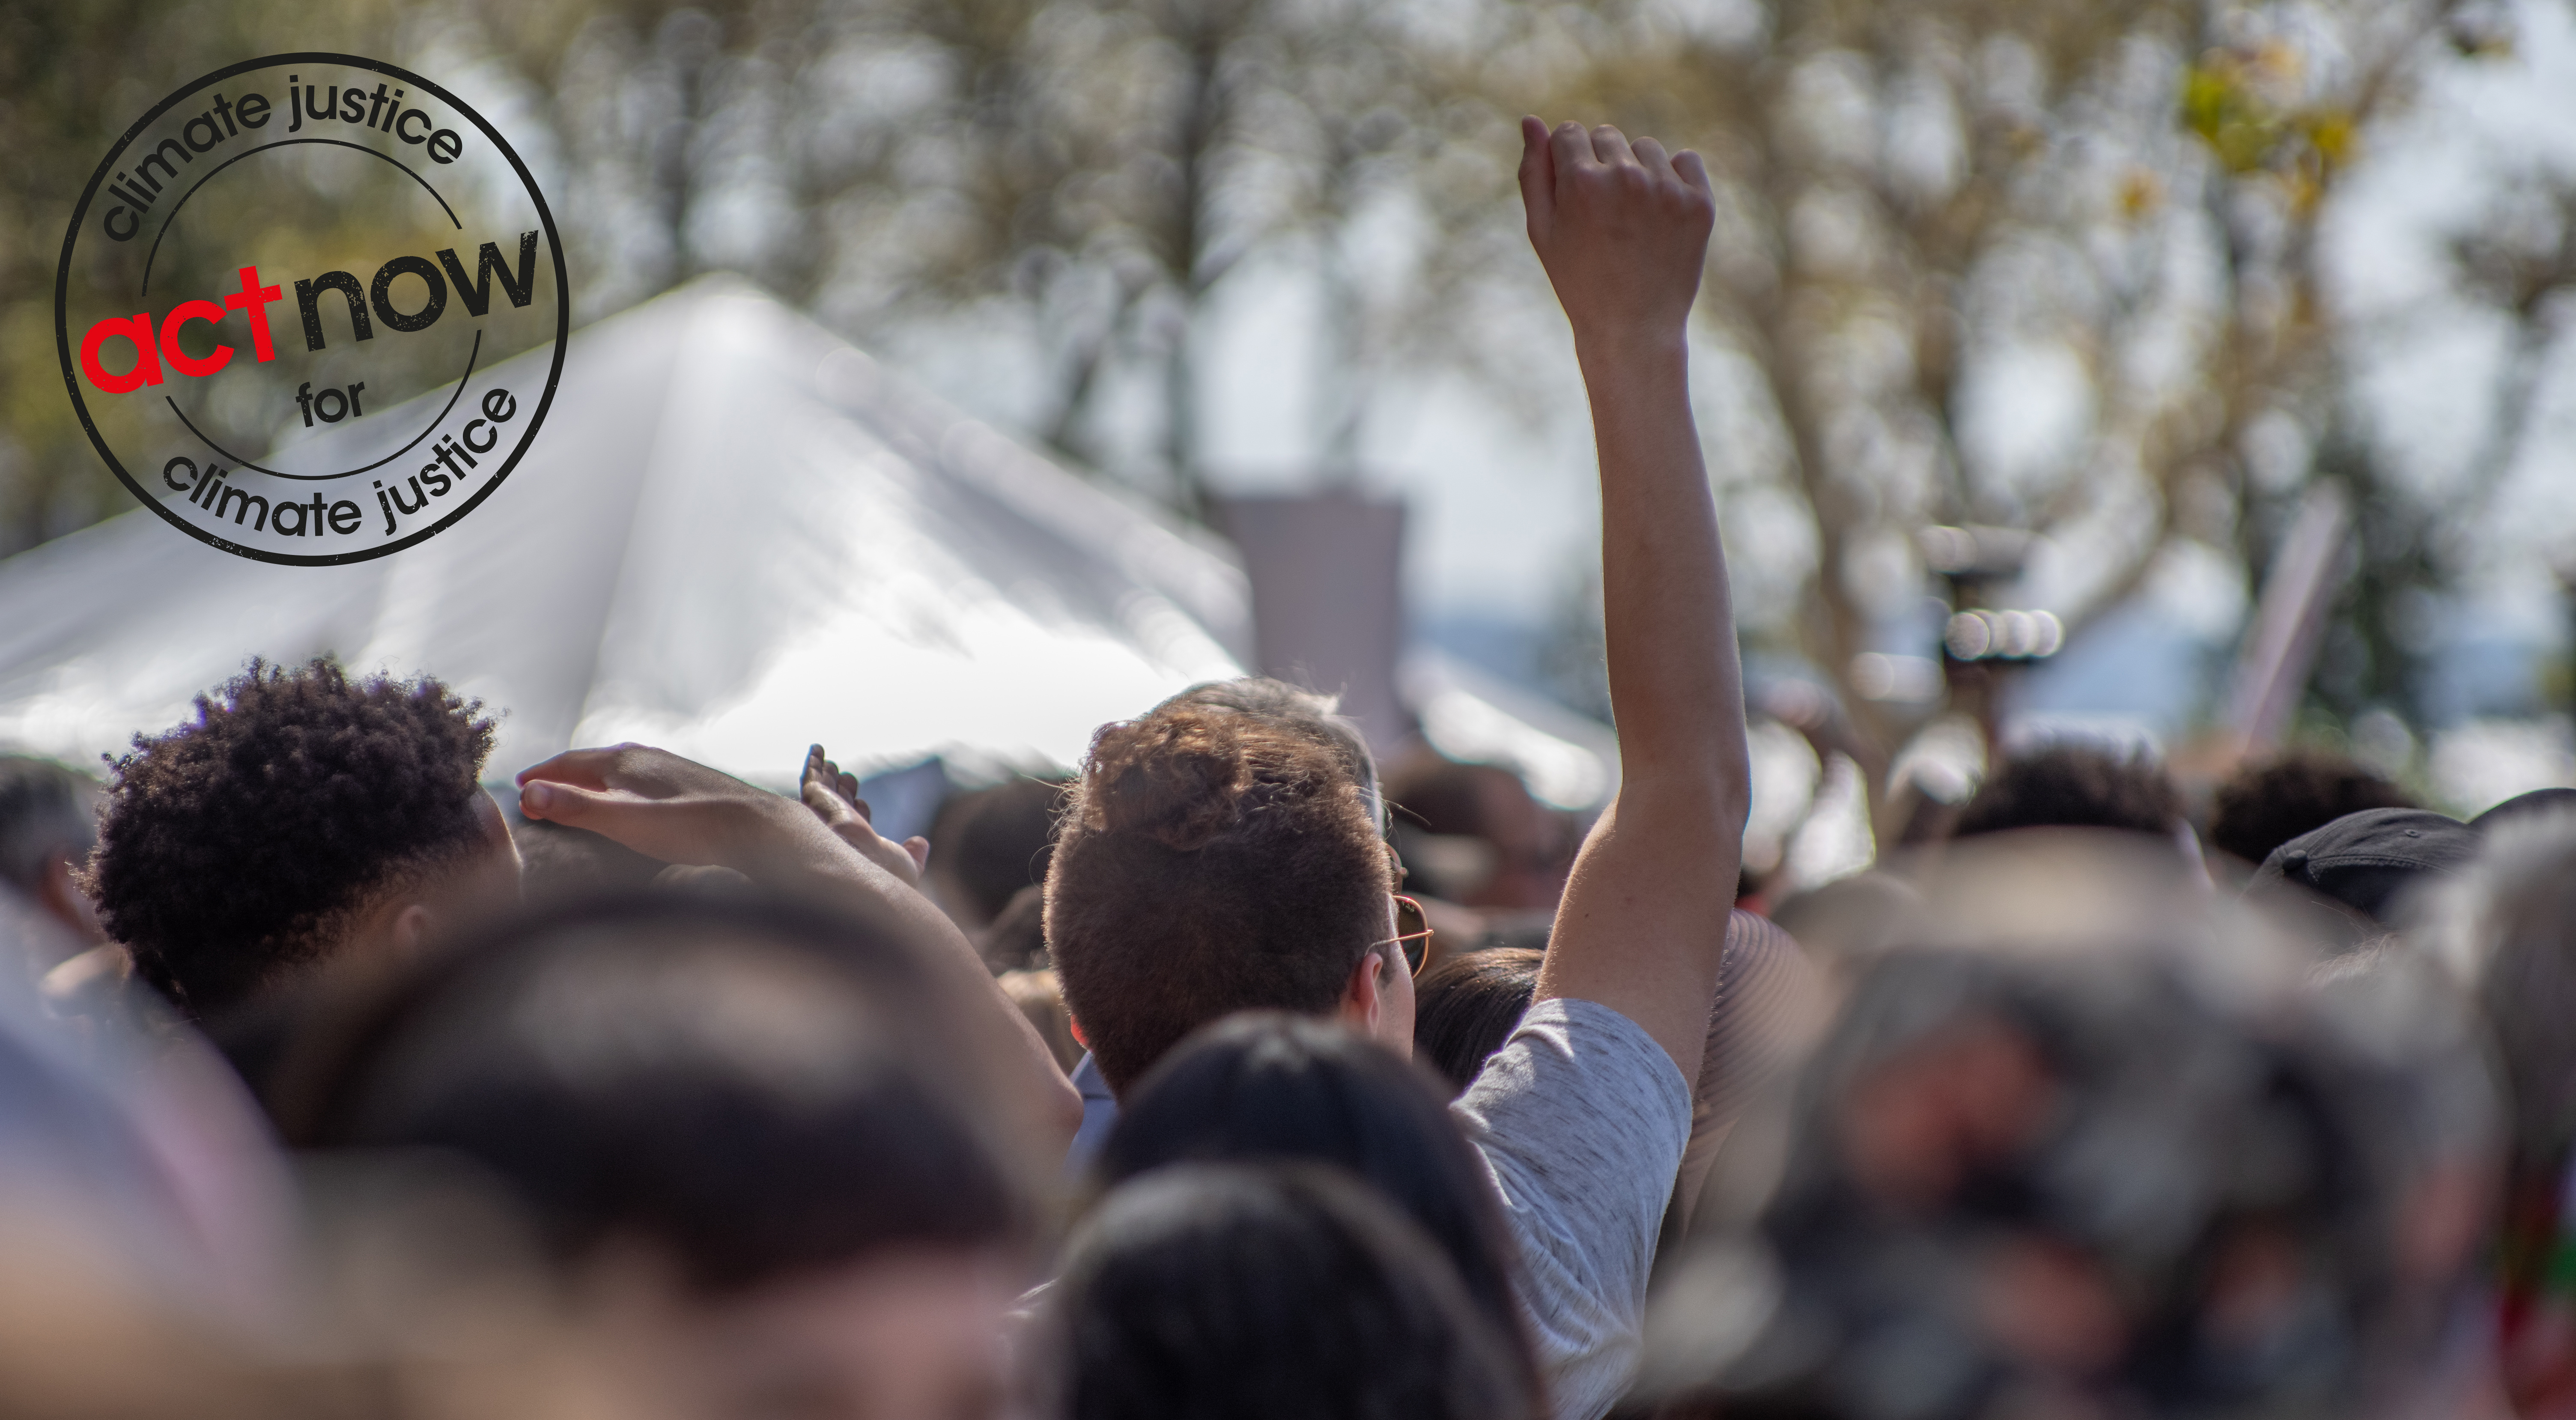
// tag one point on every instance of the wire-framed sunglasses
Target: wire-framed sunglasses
(1412, 932)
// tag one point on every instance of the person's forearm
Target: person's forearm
(1049, 1106)
(1667, 620)
(1623, 232)
(795, 851)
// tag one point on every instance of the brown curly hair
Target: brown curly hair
(1210, 861)
(232, 845)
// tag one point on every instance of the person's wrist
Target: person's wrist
(1629, 340)
(760, 831)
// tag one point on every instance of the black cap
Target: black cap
(2368, 860)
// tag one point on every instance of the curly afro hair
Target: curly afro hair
(231, 846)
(2069, 784)
(2266, 805)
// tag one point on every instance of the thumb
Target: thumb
(1537, 174)
(919, 848)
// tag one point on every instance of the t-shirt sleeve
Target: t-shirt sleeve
(1582, 1118)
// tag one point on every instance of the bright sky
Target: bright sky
(1503, 507)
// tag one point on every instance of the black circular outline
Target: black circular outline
(173, 214)
(444, 410)
(62, 311)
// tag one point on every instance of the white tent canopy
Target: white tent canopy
(736, 535)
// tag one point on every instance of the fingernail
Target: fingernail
(537, 798)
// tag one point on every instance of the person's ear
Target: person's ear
(1361, 1006)
(410, 926)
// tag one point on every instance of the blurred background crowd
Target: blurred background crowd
(2132, 428)
(2118, 293)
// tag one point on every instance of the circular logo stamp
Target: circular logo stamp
(312, 309)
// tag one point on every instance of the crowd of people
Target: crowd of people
(334, 1083)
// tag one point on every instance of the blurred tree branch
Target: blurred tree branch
(1927, 207)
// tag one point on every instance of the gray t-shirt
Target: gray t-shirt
(1582, 1118)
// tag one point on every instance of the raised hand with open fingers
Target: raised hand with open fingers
(834, 798)
(1622, 228)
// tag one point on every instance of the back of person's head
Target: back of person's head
(1467, 1006)
(740, 1085)
(558, 862)
(990, 844)
(236, 848)
(2266, 804)
(48, 814)
(1217, 1292)
(1311, 713)
(1270, 1087)
(2074, 784)
(2087, 1145)
(1211, 862)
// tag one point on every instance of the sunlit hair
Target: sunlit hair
(1308, 712)
(234, 846)
(1210, 861)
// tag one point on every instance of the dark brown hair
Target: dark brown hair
(1466, 1007)
(1210, 862)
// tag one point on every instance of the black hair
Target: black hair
(739, 1080)
(1266, 1085)
(45, 809)
(1215, 1292)
(2069, 784)
(2263, 806)
(560, 861)
(1466, 1007)
(232, 845)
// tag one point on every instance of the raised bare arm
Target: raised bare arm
(1623, 231)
